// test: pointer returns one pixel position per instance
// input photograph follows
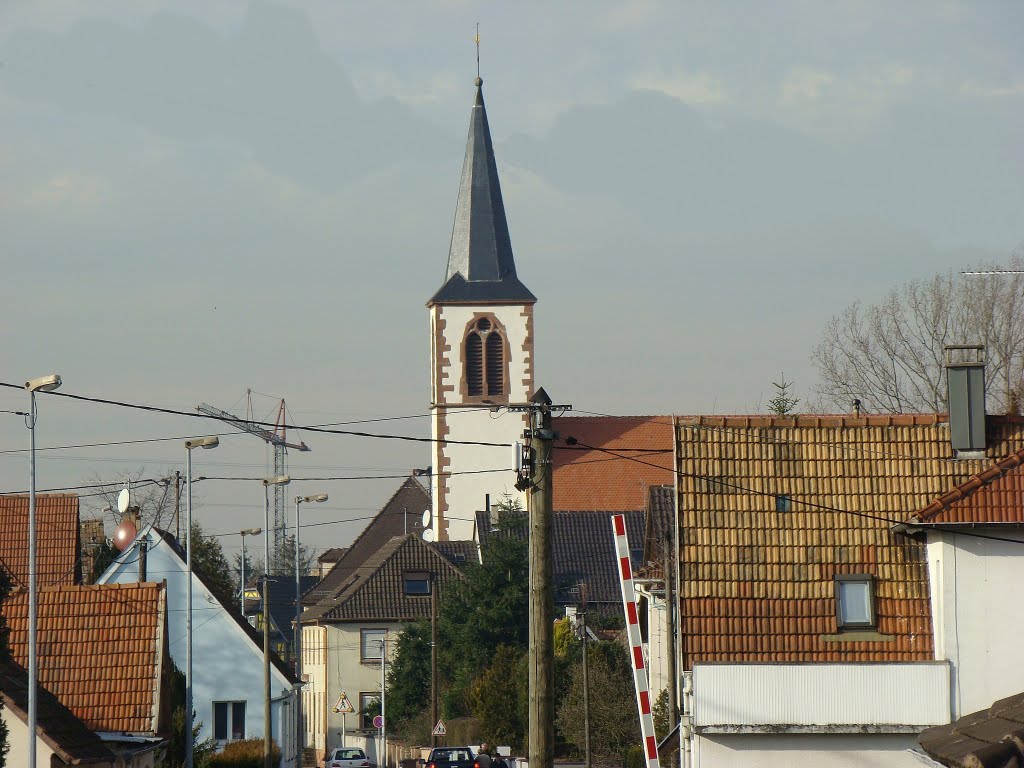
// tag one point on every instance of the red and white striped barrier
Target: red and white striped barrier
(643, 693)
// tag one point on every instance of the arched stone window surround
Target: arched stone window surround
(473, 328)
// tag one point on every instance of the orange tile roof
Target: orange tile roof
(758, 584)
(597, 480)
(56, 538)
(991, 496)
(102, 650)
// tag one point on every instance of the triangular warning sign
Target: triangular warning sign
(344, 706)
(439, 729)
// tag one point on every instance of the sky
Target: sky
(202, 198)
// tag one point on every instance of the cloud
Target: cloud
(419, 89)
(70, 191)
(698, 88)
(837, 106)
(972, 89)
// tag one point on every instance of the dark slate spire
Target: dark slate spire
(480, 264)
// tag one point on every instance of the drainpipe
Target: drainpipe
(685, 723)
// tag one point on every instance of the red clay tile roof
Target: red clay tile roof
(991, 496)
(591, 480)
(758, 584)
(102, 650)
(56, 538)
(57, 726)
(991, 737)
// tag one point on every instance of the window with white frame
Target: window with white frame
(228, 720)
(855, 601)
(371, 644)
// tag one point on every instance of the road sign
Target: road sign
(344, 706)
(378, 721)
(439, 729)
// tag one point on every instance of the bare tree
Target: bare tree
(890, 355)
(154, 496)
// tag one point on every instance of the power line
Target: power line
(322, 430)
(795, 500)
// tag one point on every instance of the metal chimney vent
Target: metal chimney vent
(965, 379)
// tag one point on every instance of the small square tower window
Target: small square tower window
(783, 504)
(855, 601)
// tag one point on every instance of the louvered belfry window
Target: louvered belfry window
(495, 364)
(485, 359)
(474, 365)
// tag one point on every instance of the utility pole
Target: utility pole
(267, 736)
(586, 682)
(535, 477)
(433, 661)
(673, 705)
(177, 505)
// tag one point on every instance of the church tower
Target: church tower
(481, 348)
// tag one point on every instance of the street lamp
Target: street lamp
(206, 443)
(318, 498)
(42, 384)
(241, 575)
(267, 724)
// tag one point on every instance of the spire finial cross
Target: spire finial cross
(478, 80)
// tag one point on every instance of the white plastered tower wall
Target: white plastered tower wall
(465, 475)
(483, 307)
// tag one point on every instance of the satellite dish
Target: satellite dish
(426, 518)
(124, 498)
(428, 535)
(125, 533)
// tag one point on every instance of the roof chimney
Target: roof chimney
(965, 379)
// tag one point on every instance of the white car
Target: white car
(347, 757)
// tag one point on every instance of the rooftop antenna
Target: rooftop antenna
(478, 53)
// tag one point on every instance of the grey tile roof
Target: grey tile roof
(660, 507)
(68, 736)
(481, 268)
(459, 552)
(584, 551)
(402, 514)
(991, 737)
(376, 590)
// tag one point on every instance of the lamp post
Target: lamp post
(42, 384)
(267, 723)
(318, 498)
(205, 443)
(241, 571)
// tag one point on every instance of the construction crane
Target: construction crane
(277, 438)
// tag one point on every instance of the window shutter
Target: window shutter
(474, 365)
(495, 364)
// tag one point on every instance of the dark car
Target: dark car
(450, 757)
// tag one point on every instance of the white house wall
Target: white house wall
(657, 646)
(805, 751)
(227, 665)
(341, 670)
(17, 738)
(976, 587)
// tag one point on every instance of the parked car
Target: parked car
(347, 757)
(450, 757)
